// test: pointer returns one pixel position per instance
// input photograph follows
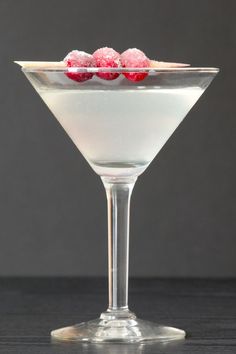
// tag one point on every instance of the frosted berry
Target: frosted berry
(107, 58)
(134, 58)
(79, 59)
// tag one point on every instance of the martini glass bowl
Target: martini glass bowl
(119, 126)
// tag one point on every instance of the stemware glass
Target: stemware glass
(119, 126)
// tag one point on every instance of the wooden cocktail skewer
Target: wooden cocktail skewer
(165, 64)
(61, 64)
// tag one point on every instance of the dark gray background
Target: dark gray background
(52, 206)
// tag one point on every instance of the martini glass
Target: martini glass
(119, 126)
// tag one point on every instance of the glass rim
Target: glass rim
(148, 70)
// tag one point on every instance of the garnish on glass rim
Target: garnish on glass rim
(78, 58)
(107, 58)
(135, 58)
(61, 65)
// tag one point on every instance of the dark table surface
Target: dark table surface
(31, 308)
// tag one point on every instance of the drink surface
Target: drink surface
(119, 132)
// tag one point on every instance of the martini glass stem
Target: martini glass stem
(118, 192)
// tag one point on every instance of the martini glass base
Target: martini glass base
(115, 328)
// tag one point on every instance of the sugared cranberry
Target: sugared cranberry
(134, 58)
(79, 59)
(107, 58)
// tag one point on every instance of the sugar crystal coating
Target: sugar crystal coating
(107, 58)
(134, 58)
(79, 59)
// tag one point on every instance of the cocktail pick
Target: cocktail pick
(41, 64)
(165, 64)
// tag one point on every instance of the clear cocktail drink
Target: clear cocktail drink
(119, 127)
(119, 132)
